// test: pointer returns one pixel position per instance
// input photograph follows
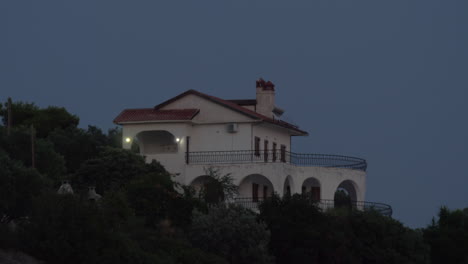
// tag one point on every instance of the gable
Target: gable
(209, 110)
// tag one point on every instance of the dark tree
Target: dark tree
(448, 236)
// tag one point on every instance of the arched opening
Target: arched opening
(198, 184)
(311, 187)
(345, 195)
(255, 187)
(347, 188)
(156, 142)
(209, 189)
(288, 185)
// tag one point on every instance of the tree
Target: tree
(231, 232)
(448, 236)
(301, 233)
(44, 120)
(110, 170)
(18, 187)
(63, 229)
(296, 226)
(78, 145)
(48, 162)
(154, 198)
(217, 188)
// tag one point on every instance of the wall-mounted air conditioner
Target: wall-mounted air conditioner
(232, 128)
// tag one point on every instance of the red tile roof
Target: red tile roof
(244, 101)
(151, 114)
(235, 107)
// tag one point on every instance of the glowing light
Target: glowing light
(128, 140)
(177, 139)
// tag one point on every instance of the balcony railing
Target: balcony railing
(324, 205)
(252, 156)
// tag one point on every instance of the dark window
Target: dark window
(265, 192)
(254, 192)
(283, 153)
(187, 150)
(265, 151)
(315, 193)
(288, 190)
(303, 190)
(274, 151)
(257, 146)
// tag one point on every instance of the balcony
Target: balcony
(297, 159)
(324, 205)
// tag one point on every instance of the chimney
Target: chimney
(265, 98)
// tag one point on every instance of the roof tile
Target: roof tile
(151, 114)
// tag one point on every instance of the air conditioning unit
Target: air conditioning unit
(232, 128)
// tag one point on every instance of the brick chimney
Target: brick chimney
(265, 98)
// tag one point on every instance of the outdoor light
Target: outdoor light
(128, 140)
(177, 139)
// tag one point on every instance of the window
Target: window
(257, 146)
(254, 192)
(265, 192)
(187, 150)
(315, 193)
(283, 153)
(274, 151)
(265, 151)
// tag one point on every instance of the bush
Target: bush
(231, 232)
(301, 233)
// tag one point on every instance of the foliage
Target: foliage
(170, 205)
(78, 145)
(18, 187)
(217, 188)
(301, 233)
(342, 200)
(62, 229)
(112, 169)
(448, 237)
(44, 120)
(232, 232)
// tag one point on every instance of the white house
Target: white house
(246, 138)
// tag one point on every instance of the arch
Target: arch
(255, 186)
(156, 142)
(311, 186)
(288, 186)
(349, 188)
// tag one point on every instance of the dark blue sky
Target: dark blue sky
(382, 80)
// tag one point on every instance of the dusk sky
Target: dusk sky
(383, 80)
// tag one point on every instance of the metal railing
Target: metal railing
(324, 205)
(278, 156)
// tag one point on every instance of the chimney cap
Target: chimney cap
(266, 86)
(269, 86)
(260, 83)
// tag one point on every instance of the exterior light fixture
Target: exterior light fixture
(128, 140)
(177, 139)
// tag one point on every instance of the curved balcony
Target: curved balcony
(324, 205)
(252, 156)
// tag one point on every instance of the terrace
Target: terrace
(278, 156)
(324, 205)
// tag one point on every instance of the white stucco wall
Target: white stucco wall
(271, 133)
(210, 112)
(277, 173)
(215, 137)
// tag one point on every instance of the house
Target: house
(246, 138)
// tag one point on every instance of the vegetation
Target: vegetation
(143, 217)
(233, 233)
